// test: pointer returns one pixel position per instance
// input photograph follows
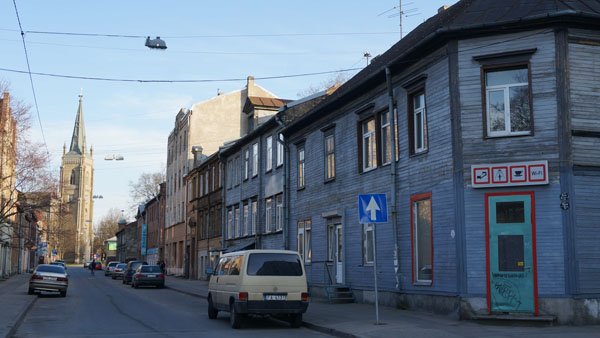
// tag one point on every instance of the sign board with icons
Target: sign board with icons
(509, 174)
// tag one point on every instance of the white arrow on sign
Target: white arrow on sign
(373, 208)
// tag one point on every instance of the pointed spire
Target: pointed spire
(78, 139)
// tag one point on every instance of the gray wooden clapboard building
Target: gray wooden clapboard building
(482, 128)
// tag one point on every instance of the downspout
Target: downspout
(388, 77)
(286, 193)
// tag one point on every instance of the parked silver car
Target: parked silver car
(51, 278)
(110, 268)
(118, 271)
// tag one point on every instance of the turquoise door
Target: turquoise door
(512, 285)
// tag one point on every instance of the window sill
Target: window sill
(423, 283)
(364, 171)
(491, 137)
(420, 153)
(329, 180)
(301, 188)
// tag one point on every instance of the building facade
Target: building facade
(488, 172)
(206, 126)
(8, 198)
(76, 191)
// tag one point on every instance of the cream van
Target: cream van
(262, 282)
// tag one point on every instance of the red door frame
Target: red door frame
(533, 245)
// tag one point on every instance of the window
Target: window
(330, 242)
(246, 163)
(206, 190)
(329, 156)
(230, 223)
(274, 264)
(229, 174)
(254, 159)
(369, 145)
(236, 217)
(246, 220)
(507, 102)
(422, 239)
(386, 137)
(368, 242)
(301, 167)
(280, 149)
(279, 212)
(268, 214)
(254, 217)
(269, 153)
(304, 237)
(417, 117)
(237, 171)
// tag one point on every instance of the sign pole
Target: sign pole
(375, 275)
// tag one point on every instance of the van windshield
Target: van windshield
(274, 264)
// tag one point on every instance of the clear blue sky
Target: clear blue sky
(134, 119)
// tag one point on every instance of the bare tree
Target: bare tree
(335, 80)
(106, 228)
(146, 188)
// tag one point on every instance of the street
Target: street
(98, 306)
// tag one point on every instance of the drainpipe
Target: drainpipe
(286, 193)
(388, 77)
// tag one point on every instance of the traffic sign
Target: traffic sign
(372, 208)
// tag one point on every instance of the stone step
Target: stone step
(526, 319)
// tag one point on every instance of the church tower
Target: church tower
(76, 190)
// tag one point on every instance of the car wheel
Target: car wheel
(30, 291)
(63, 293)
(212, 312)
(124, 281)
(133, 285)
(235, 319)
(296, 320)
(113, 277)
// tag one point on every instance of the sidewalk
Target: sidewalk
(358, 320)
(14, 303)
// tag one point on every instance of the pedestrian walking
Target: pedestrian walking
(93, 266)
(162, 266)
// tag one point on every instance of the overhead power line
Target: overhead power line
(37, 109)
(174, 81)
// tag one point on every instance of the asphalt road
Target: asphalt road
(98, 306)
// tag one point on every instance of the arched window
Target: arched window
(74, 176)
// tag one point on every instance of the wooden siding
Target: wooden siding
(542, 145)
(584, 72)
(587, 231)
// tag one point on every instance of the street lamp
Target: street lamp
(116, 157)
(157, 43)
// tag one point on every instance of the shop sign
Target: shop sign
(509, 174)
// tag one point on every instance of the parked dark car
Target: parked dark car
(130, 270)
(118, 271)
(148, 275)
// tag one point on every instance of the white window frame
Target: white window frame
(386, 137)
(415, 228)
(301, 164)
(279, 212)
(505, 88)
(236, 217)
(246, 163)
(246, 221)
(368, 253)
(369, 145)
(419, 123)
(268, 214)
(280, 150)
(303, 239)
(254, 216)
(269, 159)
(329, 156)
(255, 156)
(230, 230)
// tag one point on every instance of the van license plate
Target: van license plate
(275, 297)
(151, 276)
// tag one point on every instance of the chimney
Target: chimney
(197, 151)
(443, 8)
(250, 85)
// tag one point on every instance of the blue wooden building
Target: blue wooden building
(482, 129)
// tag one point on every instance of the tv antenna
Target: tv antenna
(401, 11)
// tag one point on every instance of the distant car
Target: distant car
(98, 266)
(49, 277)
(131, 267)
(59, 263)
(110, 267)
(148, 275)
(86, 264)
(118, 271)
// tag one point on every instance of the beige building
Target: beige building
(8, 193)
(203, 128)
(76, 190)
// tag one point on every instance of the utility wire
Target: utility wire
(37, 109)
(171, 81)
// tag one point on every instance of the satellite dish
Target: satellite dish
(157, 43)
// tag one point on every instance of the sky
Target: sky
(217, 44)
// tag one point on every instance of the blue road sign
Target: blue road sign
(372, 208)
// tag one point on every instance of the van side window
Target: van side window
(221, 267)
(235, 266)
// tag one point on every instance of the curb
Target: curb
(186, 292)
(20, 319)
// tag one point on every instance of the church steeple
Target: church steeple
(78, 139)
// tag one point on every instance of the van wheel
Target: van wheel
(63, 293)
(30, 291)
(235, 319)
(296, 320)
(212, 312)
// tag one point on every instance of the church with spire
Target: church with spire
(76, 191)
